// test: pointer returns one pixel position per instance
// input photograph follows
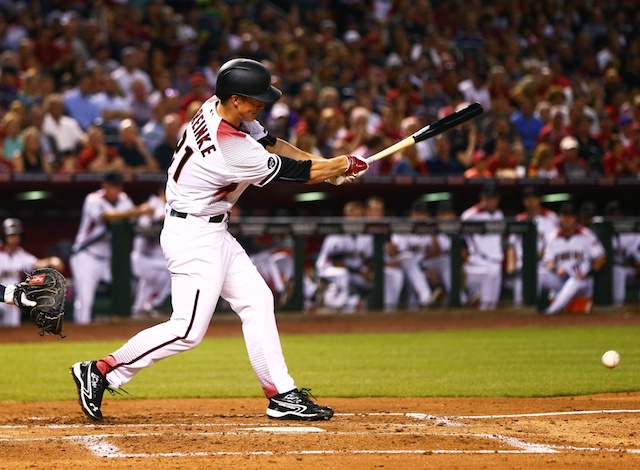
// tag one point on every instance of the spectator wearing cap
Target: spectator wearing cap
(572, 254)
(483, 268)
(130, 71)
(546, 223)
(279, 121)
(480, 166)
(431, 94)
(79, 102)
(568, 163)
(200, 91)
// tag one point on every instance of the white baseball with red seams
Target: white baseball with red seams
(213, 164)
(610, 359)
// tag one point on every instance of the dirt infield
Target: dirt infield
(567, 432)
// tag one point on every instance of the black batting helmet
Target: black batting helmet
(11, 226)
(246, 77)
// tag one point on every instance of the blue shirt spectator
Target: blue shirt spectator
(79, 102)
(526, 124)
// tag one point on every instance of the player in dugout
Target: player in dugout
(223, 150)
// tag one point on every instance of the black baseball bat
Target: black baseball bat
(431, 130)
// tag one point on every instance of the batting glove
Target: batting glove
(14, 295)
(357, 165)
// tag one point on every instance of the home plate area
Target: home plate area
(407, 437)
(364, 433)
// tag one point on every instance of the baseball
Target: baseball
(610, 359)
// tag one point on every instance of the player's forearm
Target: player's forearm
(324, 169)
(285, 149)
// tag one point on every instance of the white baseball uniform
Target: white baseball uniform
(213, 164)
(412, 249)
(574, 254)
(90, 260)
(626, 256)
(483, 269)
(546, 223)
(393, 276)
(147, 261)
(13, 267)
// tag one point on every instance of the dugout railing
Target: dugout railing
(301, 229)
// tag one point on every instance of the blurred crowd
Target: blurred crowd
(98, 85)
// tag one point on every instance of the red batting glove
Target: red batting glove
(357, 165)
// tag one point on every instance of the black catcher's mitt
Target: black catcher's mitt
(48, 288)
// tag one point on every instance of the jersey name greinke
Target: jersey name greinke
(214, 163)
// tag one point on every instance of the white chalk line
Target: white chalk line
(98, 445)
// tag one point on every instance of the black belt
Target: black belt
(216, 219)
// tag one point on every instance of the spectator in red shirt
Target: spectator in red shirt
(479, 168)
(553, 132)
(632, 149)
(200, 91)
(97, 156)
(502, 163)
(615, 162)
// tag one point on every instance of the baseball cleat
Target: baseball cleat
(91, 386)
(296, 405)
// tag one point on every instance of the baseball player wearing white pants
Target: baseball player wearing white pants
(222, 151)
(626, 262)
(571, 254)
(90, 259)
(483, 269)
(546, 223)
(147, 260)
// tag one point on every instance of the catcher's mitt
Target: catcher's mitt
(48, 288)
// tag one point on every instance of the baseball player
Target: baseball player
(340, 265)
(571, 255)
(15, 261)
(222, 151)
(90, 259)
(411, 252)
(626, 257)
(546, 222)
(483, 268)
(147, 260)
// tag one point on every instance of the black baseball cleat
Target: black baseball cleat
(91, 386)
(296, 405)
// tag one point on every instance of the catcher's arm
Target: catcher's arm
(12, 294)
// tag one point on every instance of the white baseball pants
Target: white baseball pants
(485, 278)
(87, 272)
(154, 282)
(565, 290)
(622, 275)
(207, 262)
(10, 315)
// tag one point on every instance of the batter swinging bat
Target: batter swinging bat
(431, 130)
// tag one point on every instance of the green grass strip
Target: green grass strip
(487, 362)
